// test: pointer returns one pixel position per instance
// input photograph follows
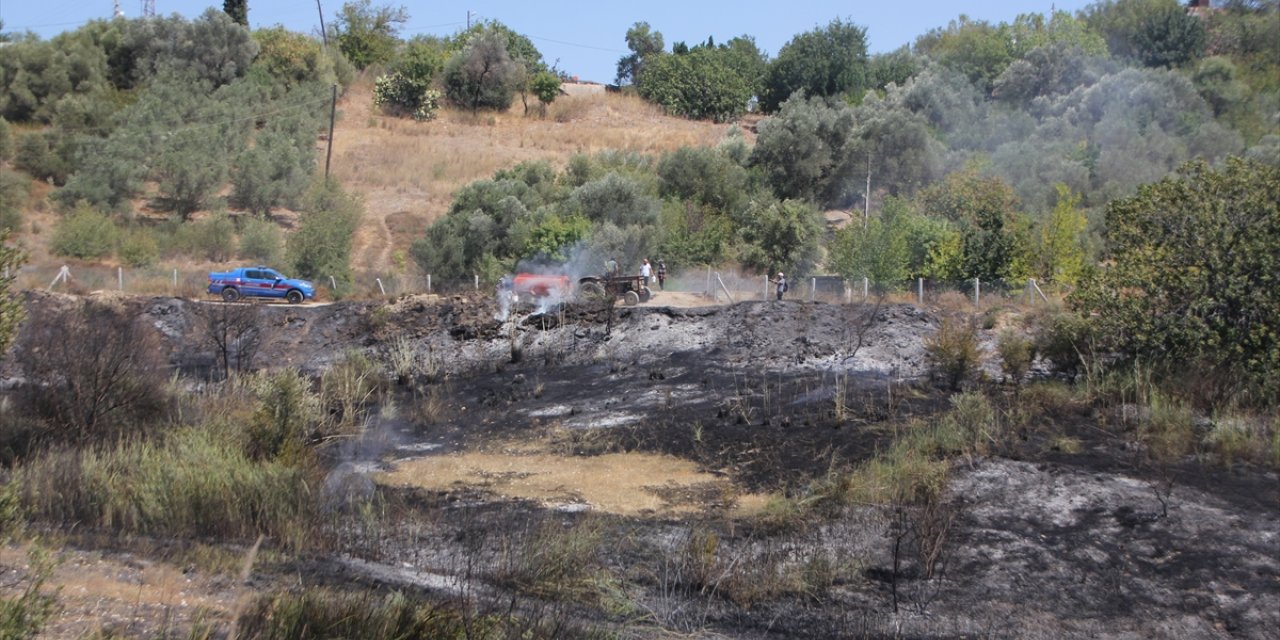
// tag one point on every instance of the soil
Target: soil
(680, 416)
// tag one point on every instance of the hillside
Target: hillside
(408, 171)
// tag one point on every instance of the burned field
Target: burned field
(741, 471)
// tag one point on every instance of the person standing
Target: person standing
(780, 283)
(646, 271)
(662, 275)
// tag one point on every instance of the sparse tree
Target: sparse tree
(482, 74)
(1061, 252)
(644, 45)
(546, 86)
(367, 34)
(93, 370)
(234, 331)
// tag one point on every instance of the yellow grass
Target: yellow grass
(631, 484)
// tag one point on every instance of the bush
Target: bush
(14, 189)
(93, 371)
(37, 155)
(287, 418)
(260, 241)
(213, 238)
(952, 352)
(85, 233)
(1016, 354)
(1064, 340)
(138, 248)
(397, 94)
(321, 247)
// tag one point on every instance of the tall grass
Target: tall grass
(193, 483)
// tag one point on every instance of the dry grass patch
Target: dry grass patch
(630, 484)
(411, 169)
(95, 592)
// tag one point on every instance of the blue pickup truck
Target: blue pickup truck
(260, 282)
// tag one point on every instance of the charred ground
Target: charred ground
(1062, 532)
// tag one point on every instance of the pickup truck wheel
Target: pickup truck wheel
(230, 294)
(294, 296)
(632, 298)
(645, 294)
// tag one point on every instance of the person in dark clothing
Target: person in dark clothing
(781, 284)
(662, 275)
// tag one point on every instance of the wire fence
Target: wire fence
(716, 286)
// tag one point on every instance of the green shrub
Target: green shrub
(398, 95)
(260, 241)
(213, 238)
(321, 247)
(25, 615)
(138, 248)
(287, 417)
(1016, 354)
(194, 483)
(37, 154)
(349, 388)
(14, 189)
(1064, 340)
(6, 141)
(952, 352)
(85, 233)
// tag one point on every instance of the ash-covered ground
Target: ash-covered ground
(764, 398)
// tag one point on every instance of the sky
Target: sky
(583, 39)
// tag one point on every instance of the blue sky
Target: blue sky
(586, 37)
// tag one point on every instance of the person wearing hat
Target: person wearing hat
(780, 283)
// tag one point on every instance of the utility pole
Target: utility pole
(866, 198)
(118, 12)
(333, 114)
(148, 8)
(468, 19)
(324, 35)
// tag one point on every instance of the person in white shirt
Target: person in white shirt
(646, 271)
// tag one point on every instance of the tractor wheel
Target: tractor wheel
(294, 296)
(632, 298)
(230, 294)
(592, 290)
(645, 294)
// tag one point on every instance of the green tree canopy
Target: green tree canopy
(828, 61)
(1191, 277)
(700, 85)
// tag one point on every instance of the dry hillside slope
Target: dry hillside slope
(408, 171)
